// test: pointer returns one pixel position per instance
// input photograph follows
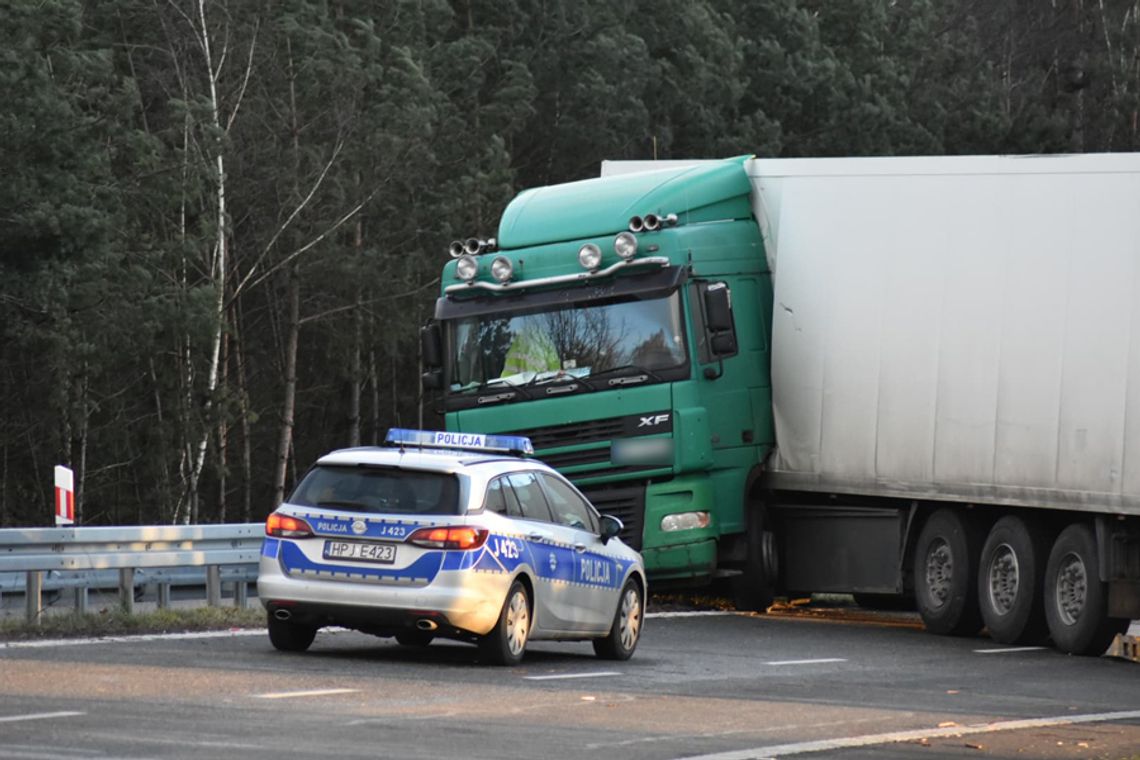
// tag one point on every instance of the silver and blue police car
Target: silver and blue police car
(455, 535)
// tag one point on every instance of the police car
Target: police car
(453, 535)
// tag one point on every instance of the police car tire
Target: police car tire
(496, 645)
(631, 602)
(414, 639)
(290, 637)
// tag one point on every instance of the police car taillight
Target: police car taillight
(284, 526)
(457, 537)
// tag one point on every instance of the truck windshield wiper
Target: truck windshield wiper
(627, 374)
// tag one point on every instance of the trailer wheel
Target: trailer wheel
(946, 575)
(1076, 600)
(1011, 581)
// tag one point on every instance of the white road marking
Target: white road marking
(806, 662)
(894, 737)
(310, 693)
(1007, 650)
(598, 674)
(39, 716)
(697, 613)
(41, 643)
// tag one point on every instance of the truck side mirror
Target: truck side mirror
(432, 380)
(718, 308)
(718, 321)
(431, 345)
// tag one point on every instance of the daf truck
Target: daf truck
(914, 380)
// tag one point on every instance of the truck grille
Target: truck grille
(627, 503)
(575, 433)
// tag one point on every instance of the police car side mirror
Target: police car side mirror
(611, 527)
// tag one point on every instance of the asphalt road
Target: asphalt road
(716, 686)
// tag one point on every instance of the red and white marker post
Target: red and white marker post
(64, 496)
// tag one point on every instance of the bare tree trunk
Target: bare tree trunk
(219, 263)
(288, 404)
(356, 381)
(81, 463)
(374, 383)
(4, 487)
(243, 411)
(223, 434)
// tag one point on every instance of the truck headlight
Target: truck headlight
(684, 521)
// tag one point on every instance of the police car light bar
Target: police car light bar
(514, 444)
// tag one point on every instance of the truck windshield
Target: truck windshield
(569, 342)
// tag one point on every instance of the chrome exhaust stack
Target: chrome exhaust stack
(425, 624)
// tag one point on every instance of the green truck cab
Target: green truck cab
(623, 325)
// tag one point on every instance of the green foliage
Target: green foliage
(359, 138)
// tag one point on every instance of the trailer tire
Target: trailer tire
(1011, 581)
(1076, 599)
(946, 574)
(754, 589)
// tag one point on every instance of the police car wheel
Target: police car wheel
(506, 642)
(290, 637)
(414, 638)
(626, 629)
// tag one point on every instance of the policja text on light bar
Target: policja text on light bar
(516, 444)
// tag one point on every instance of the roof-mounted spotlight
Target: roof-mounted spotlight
(625, 245)
(590, 256)
(502, 269)
(466, 267)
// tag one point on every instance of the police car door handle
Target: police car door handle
(536, 536)
(579, 548)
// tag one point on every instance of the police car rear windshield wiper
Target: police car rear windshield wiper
(346, 504)
(627, 374)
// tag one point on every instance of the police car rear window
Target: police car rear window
(384, 490)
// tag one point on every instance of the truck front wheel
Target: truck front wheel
(753, 589)
(1011, 581)
(945, 574)
(1076, 600)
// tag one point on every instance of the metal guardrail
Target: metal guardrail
(80, 558)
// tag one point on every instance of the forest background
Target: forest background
(222, 221)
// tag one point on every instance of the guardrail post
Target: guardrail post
(80, 600)
(127, 590)
(214, 585)
(163, 596)
(241, 594)
(33, 592)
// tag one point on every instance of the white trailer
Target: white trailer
(956, 386)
